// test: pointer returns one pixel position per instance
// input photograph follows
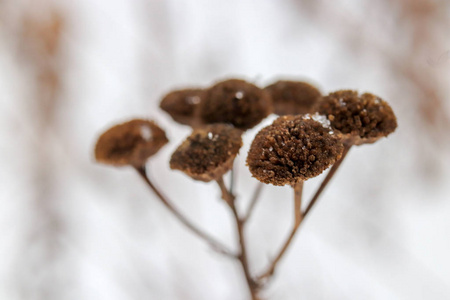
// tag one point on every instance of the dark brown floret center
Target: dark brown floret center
(206, 149)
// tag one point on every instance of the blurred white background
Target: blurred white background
(73, 229)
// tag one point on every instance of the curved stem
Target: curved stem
(298, 189)
(326, 180)
(217, 246)
(243, 258)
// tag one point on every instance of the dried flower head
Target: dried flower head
(293, 97)
(292, 149)
(208, 152)
(236, 102)
(360, 118)
(182, 105)
(130, 143)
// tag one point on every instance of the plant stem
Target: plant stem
(298, 189)
(233, 178)
(217, 246)
(327, 180)
(255, 198)
(243, 258)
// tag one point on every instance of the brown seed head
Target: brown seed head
(360, 118)
(237, 102)
(208, 152)
(292, 149)
(182, 105)
(293, 97)
(130, 143)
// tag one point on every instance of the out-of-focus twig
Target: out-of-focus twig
(36, 38)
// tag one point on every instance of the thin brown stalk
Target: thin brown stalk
(216, 245)
(243, 258)
(298, 218)
(233, 178)
(254, 200)
(326, 180)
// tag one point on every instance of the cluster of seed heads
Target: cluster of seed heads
(305, 140)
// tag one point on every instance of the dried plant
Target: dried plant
(293, 149)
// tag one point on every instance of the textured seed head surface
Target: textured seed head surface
(293, 97)
(236, 102)
(363, 116)
(182, 105)
(292, 149)
(208, 152)
(130, 143)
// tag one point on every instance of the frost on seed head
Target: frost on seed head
(293, 97)
(130, 143)
(182, 105)
(322, 119)
(193, 100)
(239, 95)
(292, 149)
(360, 118)
(235, 102)
(208, 152)
(146, 132)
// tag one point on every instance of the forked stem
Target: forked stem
(243, 258)
(327, 179)
(298, 218)
(216, 245)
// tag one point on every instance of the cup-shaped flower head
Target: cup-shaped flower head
(208, 152)
(360, 118)
(130, 143)
(182, 105)
(293, 97)
(293, 149)
(236, 102)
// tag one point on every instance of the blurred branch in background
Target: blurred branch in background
(35, 31)
(39, 45)
(414, 30)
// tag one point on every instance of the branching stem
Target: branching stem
(243, 258)
(216, 245)
(298, 218)
(327, 179)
